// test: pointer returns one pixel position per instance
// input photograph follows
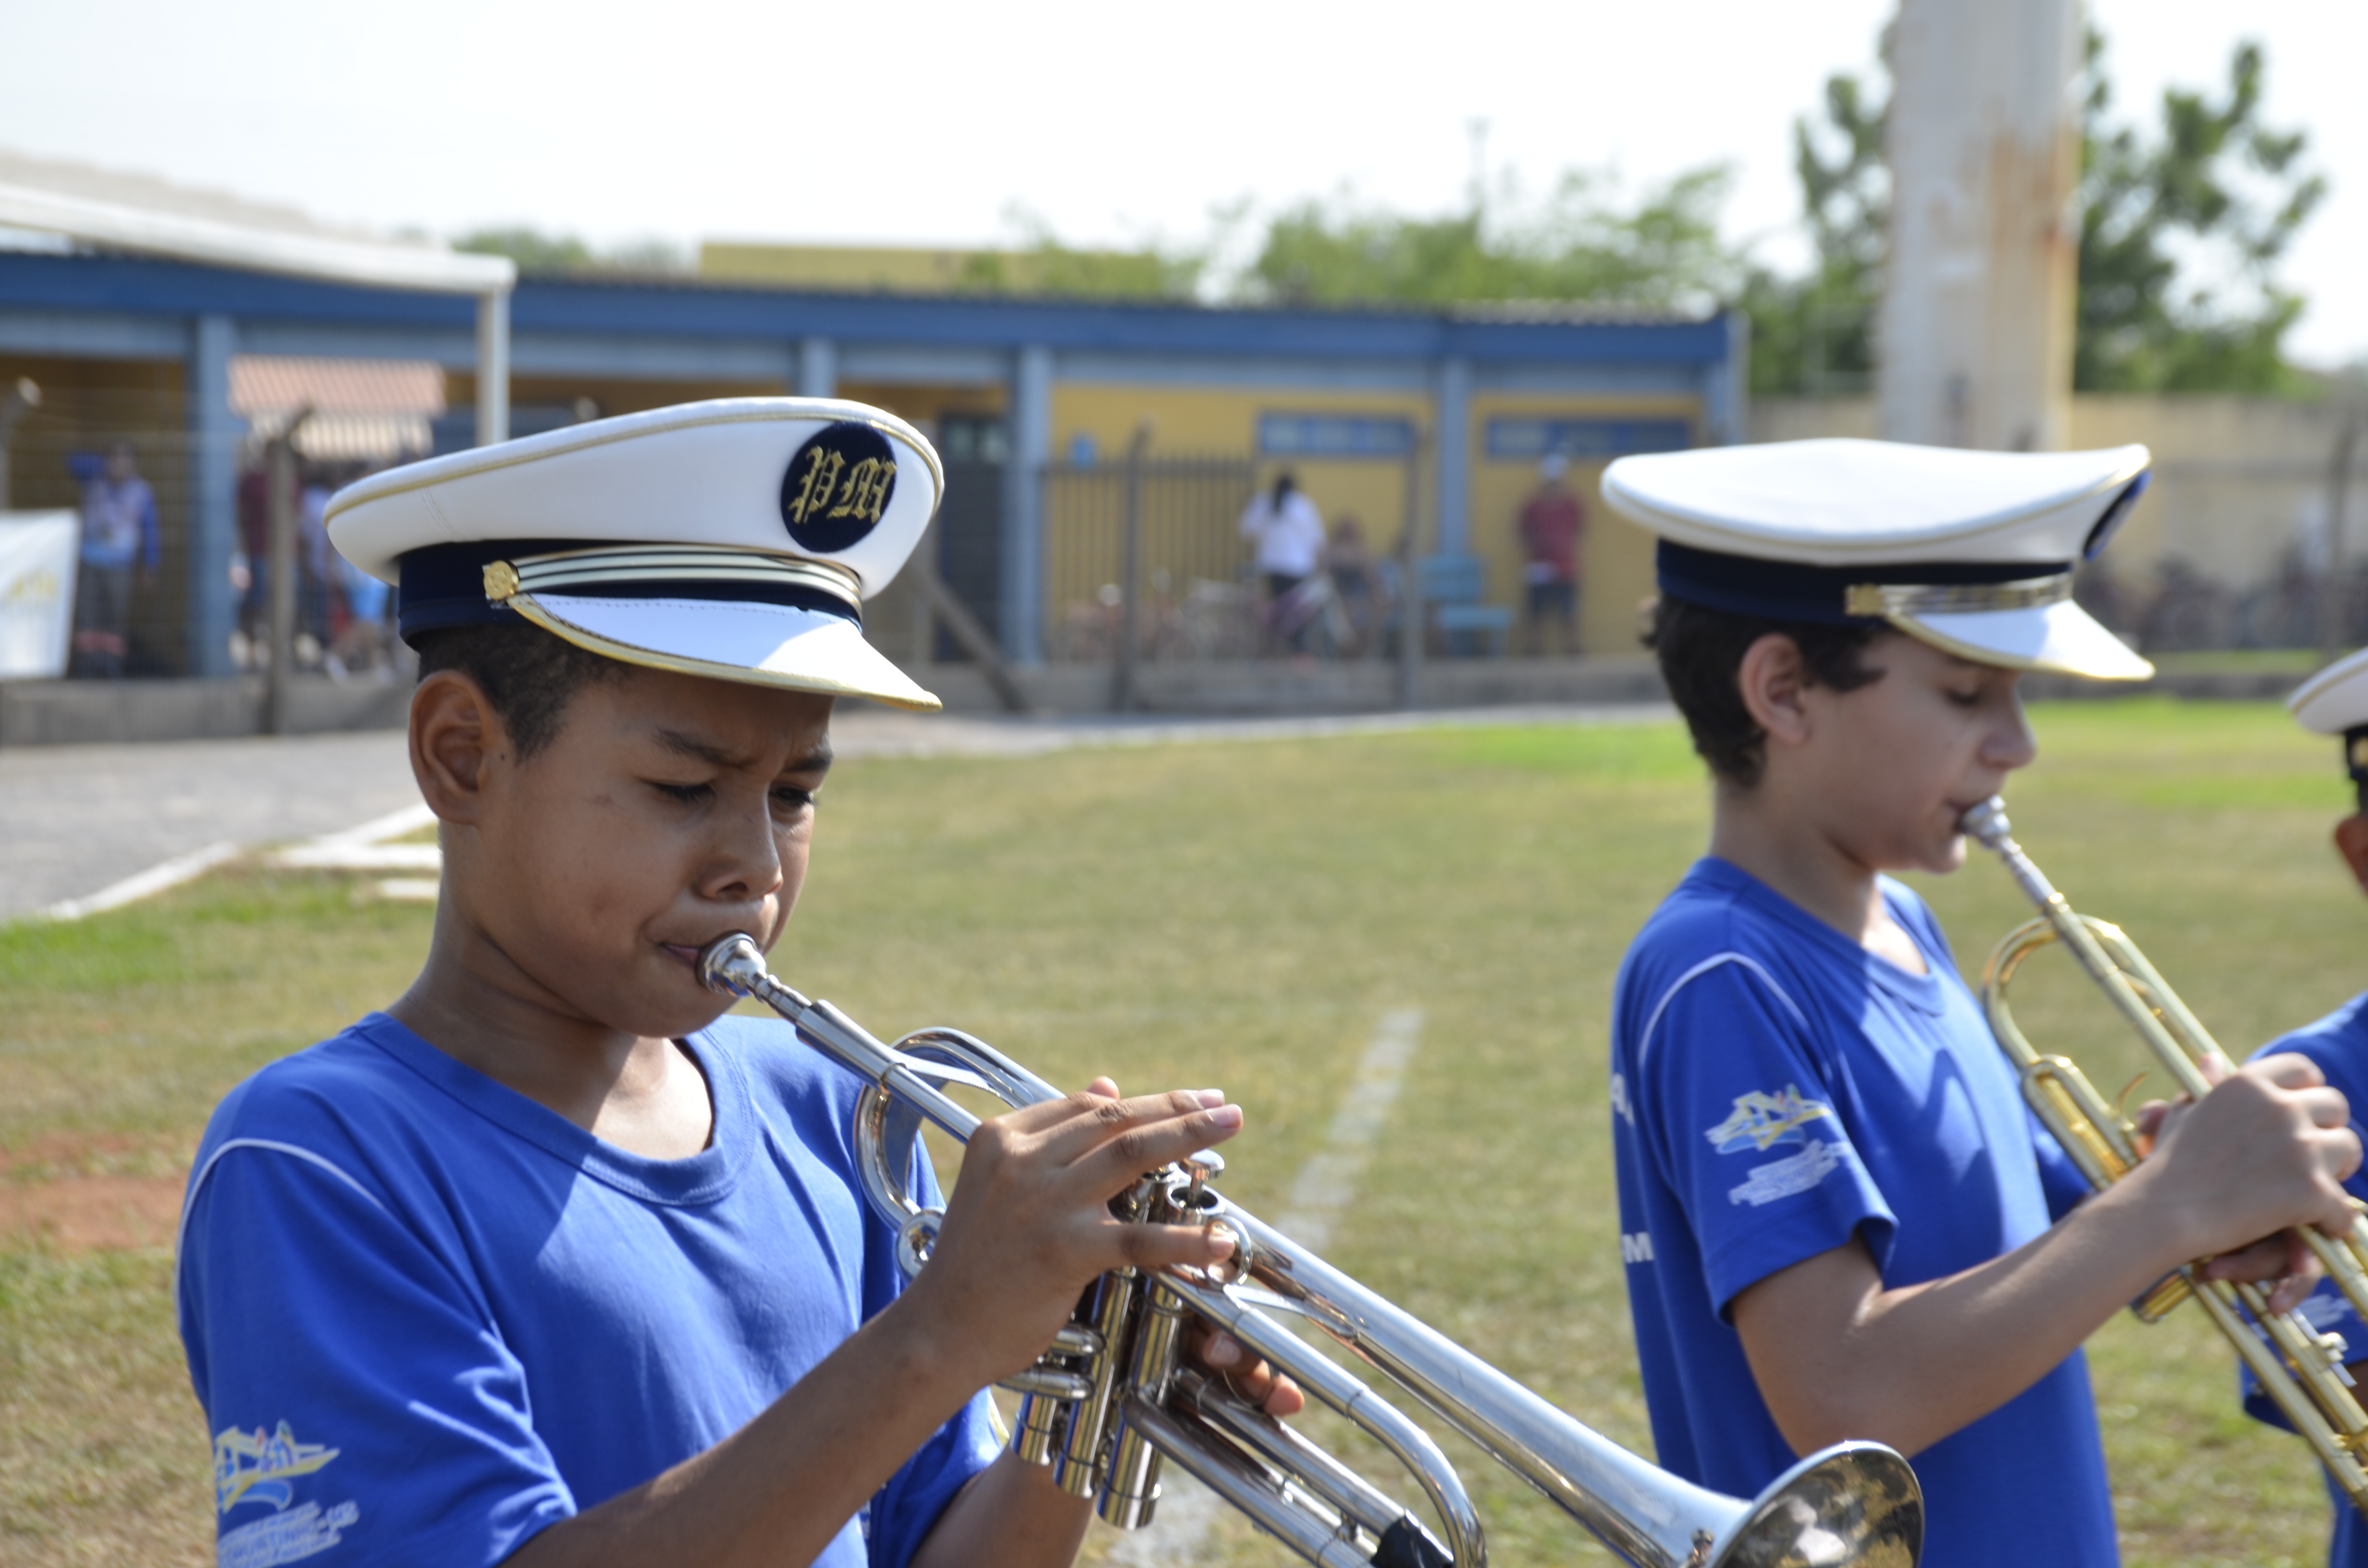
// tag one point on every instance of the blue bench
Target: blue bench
(1453, 587)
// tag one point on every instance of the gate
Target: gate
(1193, 578)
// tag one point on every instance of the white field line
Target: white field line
(1178, 1532)
(145, 884)
(361, 848)
(365, 848)
(378, 830)
(319, 857)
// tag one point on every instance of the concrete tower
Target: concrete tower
(1976, 345)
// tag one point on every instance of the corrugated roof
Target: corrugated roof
(140, 212)
(374, 410)
(263, 385)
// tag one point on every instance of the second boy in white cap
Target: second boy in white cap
(1837, 1217)
(2335, 702)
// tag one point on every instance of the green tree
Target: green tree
(2217, 181)
(1041, 263)
(541, 255)
(2179, 233)
(1814, 333)
(1577, 243)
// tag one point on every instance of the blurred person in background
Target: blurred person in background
(363, 644)
(315, 562)
(1350, 560)
(1289, 534)
(1553, 522)
(120, 548)
(255, 542)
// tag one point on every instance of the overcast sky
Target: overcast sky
(925, 121)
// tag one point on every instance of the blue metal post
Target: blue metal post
(1454, 454)
(817, 368)
(213, 493)
(1726, 386)
(1029, 419)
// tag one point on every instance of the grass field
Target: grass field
(1238, 915)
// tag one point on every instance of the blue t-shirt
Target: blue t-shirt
(2339, 1044)
(1776, 1090)
(427, 1317)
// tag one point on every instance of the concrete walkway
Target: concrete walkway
(76, 819)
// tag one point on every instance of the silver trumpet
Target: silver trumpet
(1111, 1399)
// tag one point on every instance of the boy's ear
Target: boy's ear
(1770, 681)
(454, 734)
(2352, 843)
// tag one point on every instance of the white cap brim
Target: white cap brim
(2057, 639)
(2335, 699)
(751, 643)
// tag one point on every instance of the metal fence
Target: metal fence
(2247, 550)
(136, 621)
(1196, 600)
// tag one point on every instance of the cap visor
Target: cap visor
(754, 644)
(2057, 639)
(2335, 699)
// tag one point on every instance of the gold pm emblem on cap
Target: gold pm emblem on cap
(838, 487)
(501, 581)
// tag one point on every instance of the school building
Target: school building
(1428, 418)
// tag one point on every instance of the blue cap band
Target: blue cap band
(444, 585)
(1785, 590)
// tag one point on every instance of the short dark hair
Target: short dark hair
(1702, 652)
(529, 675)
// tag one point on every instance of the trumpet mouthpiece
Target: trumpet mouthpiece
(1987, 822)
(732, 965)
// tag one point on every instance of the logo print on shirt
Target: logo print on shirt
(1782, 1178)
(261, 1467)
(1762, 1120)
(255, 1466)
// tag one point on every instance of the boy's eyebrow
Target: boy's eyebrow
(686, 745)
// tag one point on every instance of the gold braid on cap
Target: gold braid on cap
(585, 570)
(1887, 599)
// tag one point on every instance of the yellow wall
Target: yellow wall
(1617, 554)
(924, 406)
(1215, 421)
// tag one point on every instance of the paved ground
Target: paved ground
(75, 818)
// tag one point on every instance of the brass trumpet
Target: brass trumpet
(2299, 1369)
(1109, 1403)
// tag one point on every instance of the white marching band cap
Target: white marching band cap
(735, 539)
(2335, 702)
(1970, 552)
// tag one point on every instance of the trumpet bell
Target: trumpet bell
(1856, 1504)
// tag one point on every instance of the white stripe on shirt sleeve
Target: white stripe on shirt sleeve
(1644, 1040)
(197, 1182)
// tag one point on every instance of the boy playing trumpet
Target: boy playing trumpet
(1839, 1221)
(2335, 702)
(550, 1263)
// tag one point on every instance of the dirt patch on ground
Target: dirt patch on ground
(94, 1212)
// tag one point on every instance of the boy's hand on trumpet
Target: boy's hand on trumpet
(1029, 1227)
(2267, 1150)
